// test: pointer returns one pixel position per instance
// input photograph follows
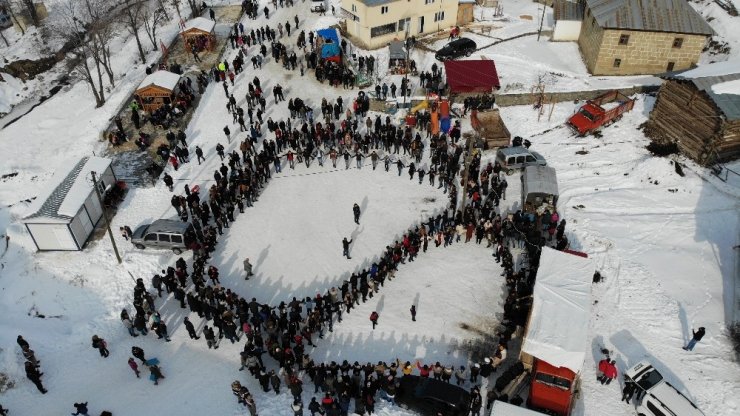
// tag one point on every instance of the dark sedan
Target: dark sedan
(456, 49)
(430, 397)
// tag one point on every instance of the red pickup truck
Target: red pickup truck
(601, 111)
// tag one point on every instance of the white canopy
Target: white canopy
(164, 79)
(200, 23)
(558, 323)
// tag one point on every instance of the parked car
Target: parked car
(432, 397)
(456, 49)
(656, 396)
(317, 6)
(511, 158)
(171, 234)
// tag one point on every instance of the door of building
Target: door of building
(421, 24)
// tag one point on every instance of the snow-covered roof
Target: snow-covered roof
(558, 324)
(718, 81)
(200, 23)
(728, 87)
(505, 409)
(163, 79)
(674, 16)
(67, 191)
(716, 69)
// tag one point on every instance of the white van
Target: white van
(657, 397)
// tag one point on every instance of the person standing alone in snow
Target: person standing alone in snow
(356, 210)
(248, 268)
(413, 313)
(345, 248)
(100, 345)
(374, 318)
(698, 335)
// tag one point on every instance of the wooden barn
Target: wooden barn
(699, 110)
(199, 34)
(156, 90)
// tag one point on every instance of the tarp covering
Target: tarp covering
(471, 76)
(329, 50)
(558, 323)
(329, 33)
(396, 50)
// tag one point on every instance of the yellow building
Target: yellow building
(374, 23)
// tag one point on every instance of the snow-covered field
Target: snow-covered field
(663, 242)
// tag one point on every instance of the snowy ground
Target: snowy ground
(667, 255)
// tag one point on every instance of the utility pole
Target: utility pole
(406, 64)
(542, 21)
(468, 159)
(105, 217)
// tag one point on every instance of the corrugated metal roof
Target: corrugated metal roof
(729, 104)
(373, 3)
(72, 189)
(568, 9)
(675, 16)
(716, 73)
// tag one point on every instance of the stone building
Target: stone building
(375, 23)
(629, 37)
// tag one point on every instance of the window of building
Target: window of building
(428, 1)
(624, 39)
(439, 16)
(382, 30)
(670, 66)
(354, 8)
(677, 43)
(617, 63)
(403, 24)
(384, 10)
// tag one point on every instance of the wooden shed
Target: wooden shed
(699, 110)
(199, 34)
(65, 213)
(491, 128)
(156, 90)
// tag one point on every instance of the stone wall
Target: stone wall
(507, 100)
(589, 41)
(646, 52)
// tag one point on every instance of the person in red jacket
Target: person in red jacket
(610, 373)
(602, 370)
(423, 370)
(374, 318)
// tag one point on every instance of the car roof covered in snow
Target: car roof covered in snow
(66, 192)
(561, 309)
(200, 23)
(164, 79)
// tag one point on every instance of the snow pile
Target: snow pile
(11, 92)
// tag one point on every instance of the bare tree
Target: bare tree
(87, 29)
(153, 16)
(161, 4)
(194, 8)
(101, 29)
(133, 16)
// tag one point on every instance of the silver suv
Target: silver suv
(511, 158)
(170, 234)
(657, 397)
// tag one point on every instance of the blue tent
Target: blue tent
(329, 50)
(329, 33)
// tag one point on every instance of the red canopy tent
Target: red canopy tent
(471, 76)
